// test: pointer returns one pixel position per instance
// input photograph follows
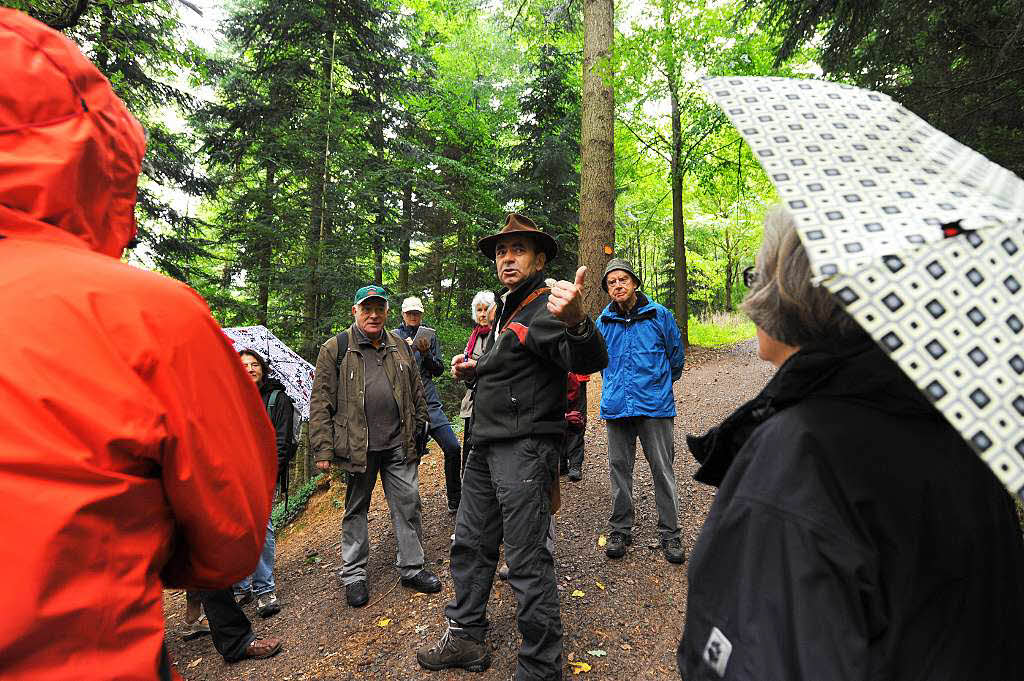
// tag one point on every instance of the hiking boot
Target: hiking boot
(243, 597)
(267, 605)
(674, 552)
(617, 544)
(356, 594)
(575, 474)
(195, 628)
(424, 581)
(260, 648)
(452, 651)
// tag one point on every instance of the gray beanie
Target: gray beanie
(619, 264)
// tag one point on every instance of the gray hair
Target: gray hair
(783, 302)
(481, 298)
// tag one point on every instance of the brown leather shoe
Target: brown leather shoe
(259, 648)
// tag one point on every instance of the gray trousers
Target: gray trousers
(505, 499)
(401, 482)
(659, 448)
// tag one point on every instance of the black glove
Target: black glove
(422, 437)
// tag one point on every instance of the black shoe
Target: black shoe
(267, 605)
(674, 552)
(575, 474)
(503, 572)
(452, 509)
(244, 597)
(357, 594)
(617, 544)
(423, 581)
(452, 651)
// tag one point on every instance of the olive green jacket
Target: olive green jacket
(337, 416)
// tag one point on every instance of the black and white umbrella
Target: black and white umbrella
(920, 237)
(294, 372)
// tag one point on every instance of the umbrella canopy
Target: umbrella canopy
(294, 372)
(920, 237)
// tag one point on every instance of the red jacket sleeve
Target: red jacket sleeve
(218, 463)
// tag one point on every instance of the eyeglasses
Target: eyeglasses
(750, 277)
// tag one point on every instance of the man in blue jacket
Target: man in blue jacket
(645, 356)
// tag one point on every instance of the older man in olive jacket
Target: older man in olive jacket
(366, 410)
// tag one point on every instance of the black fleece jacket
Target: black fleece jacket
(521, 377)
(281, 416)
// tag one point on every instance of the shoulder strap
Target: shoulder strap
(526, 301)
(272, 402)
(342, 348)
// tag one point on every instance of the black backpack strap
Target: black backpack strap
(342, 348)
(272, 402)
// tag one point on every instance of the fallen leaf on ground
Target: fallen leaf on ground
(195, 663)
(602, 540)
(597, 653)
(383, 622)
(578, 594)
(626, 646)
(599, 585)
(579, 667)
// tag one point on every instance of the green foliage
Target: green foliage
(959, 65)
(720, 329)
(296, 504)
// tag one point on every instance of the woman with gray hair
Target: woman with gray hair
(479, 312)
(854, 534)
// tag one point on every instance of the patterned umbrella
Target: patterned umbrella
(294, 372)
(920, 237)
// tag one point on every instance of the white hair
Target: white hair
(481, 298)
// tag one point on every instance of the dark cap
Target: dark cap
(619, 264)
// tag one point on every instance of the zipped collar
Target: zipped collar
(642, 310)
(513, 299)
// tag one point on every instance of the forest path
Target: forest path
(635, 619)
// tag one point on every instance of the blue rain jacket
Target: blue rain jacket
(645, 356)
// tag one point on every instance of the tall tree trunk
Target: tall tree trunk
(597, 152)
(318, 183)
(266, 251)
(678, 227)
(405, 241)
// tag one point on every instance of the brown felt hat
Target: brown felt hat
(520, 224)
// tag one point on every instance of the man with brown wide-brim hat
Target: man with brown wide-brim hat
(538, 336)
(520, 224)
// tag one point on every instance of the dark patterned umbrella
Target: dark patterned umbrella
(294, 372)
(920, 237)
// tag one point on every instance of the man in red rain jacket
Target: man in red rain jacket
(135, 453)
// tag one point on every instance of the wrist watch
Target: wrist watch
(580, 327)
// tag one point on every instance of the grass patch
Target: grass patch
(721, 328)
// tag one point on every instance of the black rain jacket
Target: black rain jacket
(521, 380)
(854, 536)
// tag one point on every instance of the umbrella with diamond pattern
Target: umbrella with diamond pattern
(920, 237)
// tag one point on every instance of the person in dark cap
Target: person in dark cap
(539, 334)
(637, 402)
(365, 413)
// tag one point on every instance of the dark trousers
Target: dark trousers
(445, 438)
(229, 627)
(505, 498)
(465, 443)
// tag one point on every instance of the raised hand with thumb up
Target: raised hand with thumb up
(566, 299)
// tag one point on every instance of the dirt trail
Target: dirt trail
(631, 609)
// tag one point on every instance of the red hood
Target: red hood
(70, 152)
